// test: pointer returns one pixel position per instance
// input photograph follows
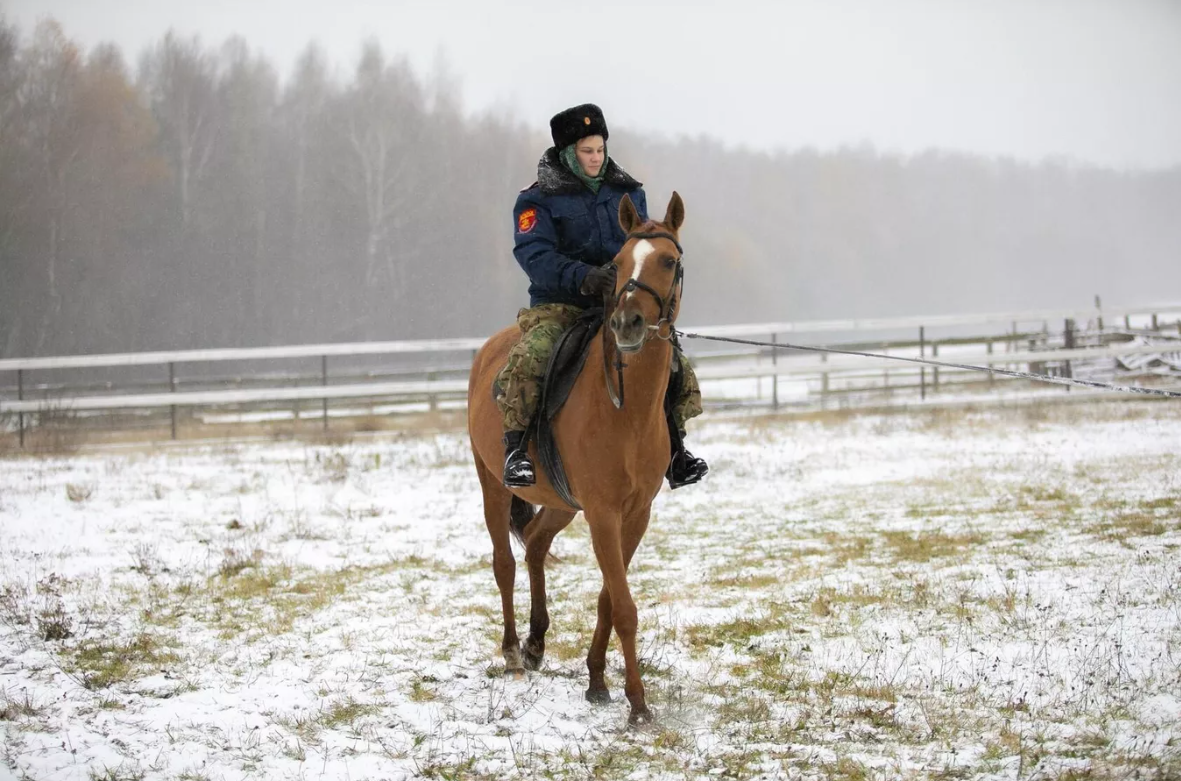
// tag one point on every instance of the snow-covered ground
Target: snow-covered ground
(936, 594)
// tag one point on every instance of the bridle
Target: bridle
(667, 304)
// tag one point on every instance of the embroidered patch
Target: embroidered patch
(586, 120)
(526, 220)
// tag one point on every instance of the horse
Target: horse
(615, 448)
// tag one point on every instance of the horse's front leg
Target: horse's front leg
(539, 535)
(596, 658)
(615, 542)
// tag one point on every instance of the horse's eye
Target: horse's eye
(670, 263)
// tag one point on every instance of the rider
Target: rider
(567, 235)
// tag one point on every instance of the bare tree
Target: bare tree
(12, 190)
(382, 123)
(247, 96)
(179, 78)
(46, 100)
(304, 104)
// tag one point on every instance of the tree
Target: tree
(382, 125)
(309, 240)
(49, 133)
(114, 189)
(12, 189)
(179, 77)
(237, 198)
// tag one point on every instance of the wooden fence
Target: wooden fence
(434, 371)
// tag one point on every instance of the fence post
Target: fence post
(324, 382)
(1155, 327)
(824, 383)
(172, 389)
(1068, 340)
(20, 396)
(935, 370)
(774, 375)
(922, 369)
(1099, 307)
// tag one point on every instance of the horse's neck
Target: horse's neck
(645, 376)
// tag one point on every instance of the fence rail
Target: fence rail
(1056, 348)
(468, 344)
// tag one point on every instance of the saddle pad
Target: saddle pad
(566, 361)
(561, 372)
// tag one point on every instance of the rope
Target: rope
(1007, 373)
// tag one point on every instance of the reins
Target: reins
(946, 364)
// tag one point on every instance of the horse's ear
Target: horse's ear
(629, 218)
(674, 217)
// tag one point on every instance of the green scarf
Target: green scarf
(570, 159)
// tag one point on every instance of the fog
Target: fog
(192, 175)
(1091, 80)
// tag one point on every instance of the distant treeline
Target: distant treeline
(200, 200)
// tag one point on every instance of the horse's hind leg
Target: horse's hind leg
(539, 535)
(496, 516)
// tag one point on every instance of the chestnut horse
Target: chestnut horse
(615, 458)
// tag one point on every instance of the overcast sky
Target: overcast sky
(1088, 80)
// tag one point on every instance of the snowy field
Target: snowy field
(935, 594)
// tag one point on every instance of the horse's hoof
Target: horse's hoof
(532, 652)
(514, 675)
(641, 718)
(598, 696)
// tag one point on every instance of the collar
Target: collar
(555, 179)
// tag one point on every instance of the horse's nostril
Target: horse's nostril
(627, 322)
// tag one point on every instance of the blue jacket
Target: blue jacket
(562, 229)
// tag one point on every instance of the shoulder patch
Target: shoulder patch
(526, 220)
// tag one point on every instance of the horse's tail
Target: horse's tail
(520, 513)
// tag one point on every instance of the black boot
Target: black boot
(685, 468)
(518, 468)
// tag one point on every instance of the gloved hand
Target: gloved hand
(599, 281)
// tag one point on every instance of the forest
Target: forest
(197, 195)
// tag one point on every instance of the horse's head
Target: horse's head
(647, 290)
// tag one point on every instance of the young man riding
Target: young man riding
(567, 235)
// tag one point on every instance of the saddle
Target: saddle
(565, 364)
(561, 372)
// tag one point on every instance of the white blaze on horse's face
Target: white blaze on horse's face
(640, 253)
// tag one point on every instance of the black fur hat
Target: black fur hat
(572, 124)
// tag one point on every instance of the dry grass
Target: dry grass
(975, 621)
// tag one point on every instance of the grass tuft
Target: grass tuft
(921, 548)
(101, 664)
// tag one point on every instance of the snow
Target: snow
(981, 593)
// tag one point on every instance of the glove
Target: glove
(599, 281)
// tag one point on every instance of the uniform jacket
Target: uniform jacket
(562, 229)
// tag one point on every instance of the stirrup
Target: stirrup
(685, 469)
(518, 468)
